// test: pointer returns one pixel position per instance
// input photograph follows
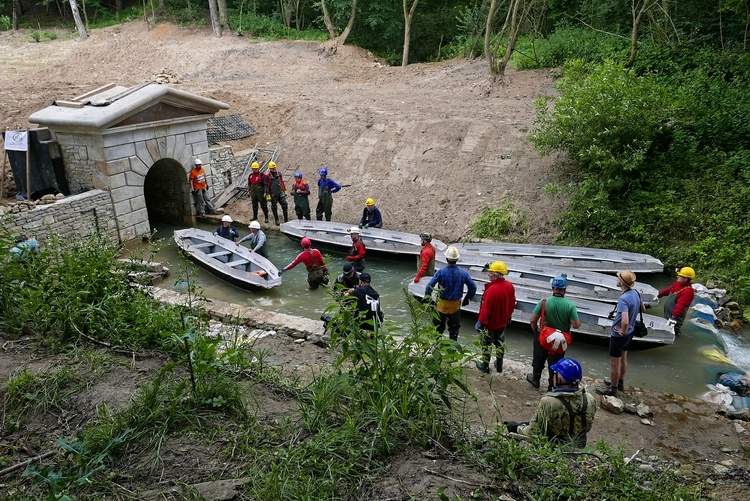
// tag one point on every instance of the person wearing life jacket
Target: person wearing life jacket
(277, 189)
(371, 217)
(357, 251)
(256, 238)
(326, 188)
(452, 279)
(349, 278)
(679, 297)
(564, 415)
(495, 311)
(301, 194)
(317, 271)
(227, 229)
(559, 316)
(257, 183)
(426, 259)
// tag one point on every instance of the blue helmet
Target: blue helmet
(298, 175)
(560, 282)
(569, 369)
(323, 172)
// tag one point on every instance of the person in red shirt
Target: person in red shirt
(679, 297)
(495, 311)
(317, 271)
(257, 183)
(357, 251)
(426, 259)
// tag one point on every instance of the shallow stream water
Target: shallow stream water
(680, 368)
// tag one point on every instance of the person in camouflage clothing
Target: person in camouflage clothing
(565, 414)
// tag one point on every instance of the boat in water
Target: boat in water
(227, 260)
(594, 316)
(336, 235)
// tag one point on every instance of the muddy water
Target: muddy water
(680, 368)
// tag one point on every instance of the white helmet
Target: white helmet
(354, 229)
(226, 219)
(254, 225)
(451, 254)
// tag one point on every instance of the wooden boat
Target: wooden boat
(594, 316)
(228, 261)
(582, 284)
(336, 235)
(583, 258)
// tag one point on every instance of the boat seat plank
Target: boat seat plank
(202, 245)
(239, 262)
(219, 253)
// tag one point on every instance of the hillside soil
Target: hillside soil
(433, 144)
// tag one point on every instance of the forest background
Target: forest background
(653, 107)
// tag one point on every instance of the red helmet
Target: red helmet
(305, 242)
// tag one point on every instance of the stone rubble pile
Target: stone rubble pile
(166, 76)
(27, 205)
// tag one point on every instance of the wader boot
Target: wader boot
(484, 364)
(533, 379)
(499, 363)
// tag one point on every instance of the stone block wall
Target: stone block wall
(227, 169)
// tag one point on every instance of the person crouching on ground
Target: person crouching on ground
(564, 415)
(317, 271)
(371, 217)
(679, 297)
(498, 302)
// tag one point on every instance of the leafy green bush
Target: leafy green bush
(567, 43)
(5, 23)
(501, 222)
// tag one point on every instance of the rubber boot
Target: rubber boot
(275, 212)
(499, 364)
(286, 216)
(533, 379)
(484, 367)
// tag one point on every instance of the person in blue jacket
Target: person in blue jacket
(227, 230)
(326, 188)
(452, 280)
(371, 217)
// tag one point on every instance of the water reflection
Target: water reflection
(680, 368)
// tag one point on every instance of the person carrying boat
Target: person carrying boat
(277, 189)
(371, 217)
(628, 307)
(301, 194)
(368, 303)
(349, 278)
(326, 188)
(558, 315)
(257, 183)
(426, 259)
(198, 186)
(227, 229)
(256, 238)
(679, 297)
(317, 272)
(498, 302)
(452, 280)
(357, 251)
(565, 414)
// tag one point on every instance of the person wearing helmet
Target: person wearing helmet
(452, 280)
(301, 194)
(227, 229)
(680, 296)
(256, 238)
(628, 306)
(257, 183)
(426, 259)
(326, 188)
(558, 315)
(565, 414)
(317, 271)
(349, 278)
(198, 187)
(277, 189)
(357, 251)
(371, 217)
(495, 310)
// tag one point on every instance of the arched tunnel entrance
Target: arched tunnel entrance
(166, 192)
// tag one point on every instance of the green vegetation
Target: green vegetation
(502, 223)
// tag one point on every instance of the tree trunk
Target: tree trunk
(488, 52)
(349, 25)
(645, 6)
(79, 23)
(16, 13)
(118, 5)
(327, 20)
(491, 52)
(214, 12)
(408, 16)
(223, 17)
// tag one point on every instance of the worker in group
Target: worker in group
(317, 272)
(349, 278)
(368, 303)
(277, 191)
(495, 311)
(371, 217)
(452, 279)
(426, 259)
(257, 183)
(256, 238)
(357, 251)
(326, 188)
(565, 415)
(198, 186)
(227, 229)
(301, 194)
(680, 296)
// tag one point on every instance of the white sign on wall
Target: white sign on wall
(16, 140)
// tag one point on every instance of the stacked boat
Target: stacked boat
(531, 267)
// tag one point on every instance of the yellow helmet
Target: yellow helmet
(498, 267)
(686, 272)
(451, 254)
(271, 165)
(369, 201)
(255, 165)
